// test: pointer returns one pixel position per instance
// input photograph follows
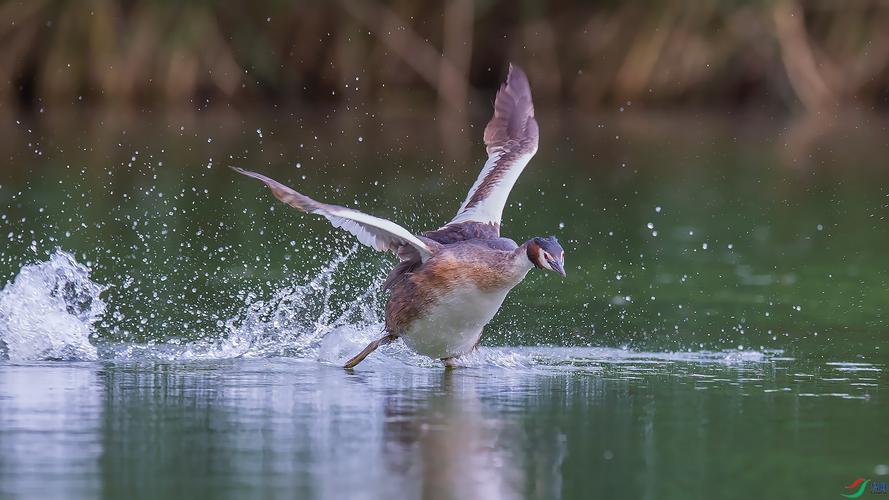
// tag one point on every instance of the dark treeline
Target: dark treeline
(785, 55)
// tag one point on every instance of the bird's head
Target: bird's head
(546, 253)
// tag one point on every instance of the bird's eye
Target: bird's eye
(547, 256)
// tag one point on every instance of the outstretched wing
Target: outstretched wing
(375, 232)
(511, 140)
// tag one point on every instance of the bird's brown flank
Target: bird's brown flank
(464, 265)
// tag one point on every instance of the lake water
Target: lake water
(168, 330)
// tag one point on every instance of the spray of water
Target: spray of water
(296, 320)
(52, 309)
(49, 311)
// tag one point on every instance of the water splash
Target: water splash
(295, 320)
(48, 312)
(322, 319)
(50, 309)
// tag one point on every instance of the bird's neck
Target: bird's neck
(521, 259)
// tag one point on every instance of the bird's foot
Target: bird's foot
(450, 363)
(367, 350)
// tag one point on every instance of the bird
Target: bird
(450, 282)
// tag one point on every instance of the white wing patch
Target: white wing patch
(377, 233)
(490, 208)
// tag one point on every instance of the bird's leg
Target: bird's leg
(369, 349)
(450, 363)
(477, 342)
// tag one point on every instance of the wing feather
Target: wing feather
(511, 139)
(374, 232)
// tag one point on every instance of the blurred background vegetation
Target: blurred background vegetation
(776, 56)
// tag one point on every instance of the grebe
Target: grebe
(450, 282)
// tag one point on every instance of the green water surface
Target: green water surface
(721, 332)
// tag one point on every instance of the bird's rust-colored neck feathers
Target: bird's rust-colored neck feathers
(534, 252)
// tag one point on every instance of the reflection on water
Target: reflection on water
(576, 423)
(50, 427)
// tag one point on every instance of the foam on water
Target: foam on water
(49, 311)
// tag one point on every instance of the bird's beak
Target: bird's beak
(558, 266)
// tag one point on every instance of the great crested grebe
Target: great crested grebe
(452, 281)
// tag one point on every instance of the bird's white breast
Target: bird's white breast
(453, 325)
